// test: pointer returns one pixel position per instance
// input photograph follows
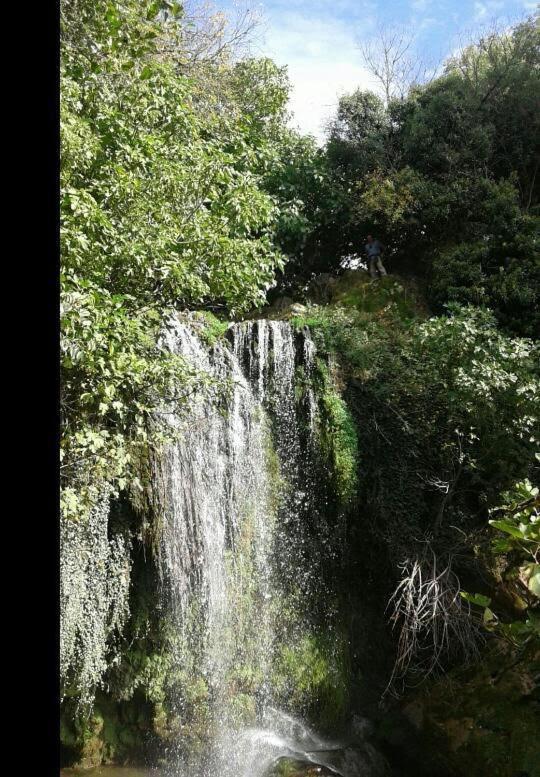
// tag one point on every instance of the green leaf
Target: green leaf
(531, 573)
(478, 599)
(507, 527)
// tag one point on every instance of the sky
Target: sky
(318, 41)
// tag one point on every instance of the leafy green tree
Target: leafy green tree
(358, 133)
(501, 271)
(447, 178)
(457, 401)
(501, 76)
(310, 199)
(163, 206)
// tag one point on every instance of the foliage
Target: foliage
(182, 187)
(213, 327)
(482, 716)
(114, 371)
(516, 522)
(337, 434)
(310, 198)
(162, 206)
(522, 534)
(358, 133)
(95, 568)
(363, 320)
(447, 178)
(471, 394)
(443, 400)
(344, 443)
(501, 271)
(446, 416)
(291, 171)
(500, 76)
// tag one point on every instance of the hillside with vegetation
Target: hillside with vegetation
(185, 196)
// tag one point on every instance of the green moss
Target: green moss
(273, 471)
(312, 674)
(362, 317)
(90, 736)
(338, 438)
(390, 301)
(242, 709)
(344, 333)
(300, 382)
(343, 441)
(393, 295)
(213, 327)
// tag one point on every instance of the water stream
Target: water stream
(234, 494)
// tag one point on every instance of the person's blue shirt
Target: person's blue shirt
(374, 248)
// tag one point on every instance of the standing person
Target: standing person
(374, 249)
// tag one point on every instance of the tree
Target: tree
(163, 206)
(358, 133)
(448, 174)
(209, 36)
(389, 56)
(501, 72)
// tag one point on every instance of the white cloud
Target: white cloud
(483, 11)
(323, 62)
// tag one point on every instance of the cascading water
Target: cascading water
(216, 533)
(234, 498)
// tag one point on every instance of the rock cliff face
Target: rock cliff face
(485, 720)
(234, 613)
(236, 626)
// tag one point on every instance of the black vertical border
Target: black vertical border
(52, 296)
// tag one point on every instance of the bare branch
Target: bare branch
(389, 55)
(433, 619)
(208, 36)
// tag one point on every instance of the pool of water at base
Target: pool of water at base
(111, 771)
(126, 771)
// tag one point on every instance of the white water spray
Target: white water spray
(220, 531)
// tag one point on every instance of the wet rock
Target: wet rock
(480, 721)
(414, 712)
(282, 309)
(281, 304)
(361, 761)
(361, 727)
(290, 767)
(321, 288)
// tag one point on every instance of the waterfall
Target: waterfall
(216, 533)
(234, 500)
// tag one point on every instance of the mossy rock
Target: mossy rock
(91, 738)
(484, 721)
(243, 709)
(290, 767)
(313, 675)
(212, 328)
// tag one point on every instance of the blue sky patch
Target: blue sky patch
(318, 41)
